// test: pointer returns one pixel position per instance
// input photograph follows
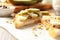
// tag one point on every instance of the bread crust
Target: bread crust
(19, 24)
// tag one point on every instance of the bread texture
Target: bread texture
(51, 26)
(19, 24)
(27, 17)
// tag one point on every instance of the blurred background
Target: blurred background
(19, 4)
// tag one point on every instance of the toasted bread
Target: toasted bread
(53, 25)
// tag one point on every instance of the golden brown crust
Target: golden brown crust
(16, 25)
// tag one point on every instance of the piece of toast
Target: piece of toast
(55, 20)
(21, 19)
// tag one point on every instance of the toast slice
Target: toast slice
(27, 17)
(52, 24)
